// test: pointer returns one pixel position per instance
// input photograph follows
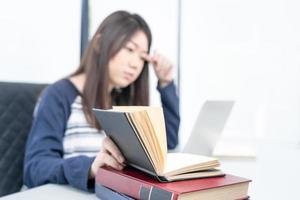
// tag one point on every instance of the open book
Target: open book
(140, 134)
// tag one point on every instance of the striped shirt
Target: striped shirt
(80, 138)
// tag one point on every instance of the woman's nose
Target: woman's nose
(135, 62)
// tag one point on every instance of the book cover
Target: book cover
(116, 125)
(139, 185)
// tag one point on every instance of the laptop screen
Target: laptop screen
(209, 125)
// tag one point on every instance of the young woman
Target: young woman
(66, 145)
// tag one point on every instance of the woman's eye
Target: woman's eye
(129, 49)
(142, 59)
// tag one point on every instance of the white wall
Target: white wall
(247, 51)
(39, 39)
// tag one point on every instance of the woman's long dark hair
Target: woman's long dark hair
(113, 33)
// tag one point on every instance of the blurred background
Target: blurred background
(246, 51)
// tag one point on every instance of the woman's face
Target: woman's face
(126, 66)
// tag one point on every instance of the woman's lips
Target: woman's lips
(128, 75)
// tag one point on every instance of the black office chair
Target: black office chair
(17, 101)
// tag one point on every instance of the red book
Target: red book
(139, 185)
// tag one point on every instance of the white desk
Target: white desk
(50, 192)
(275, 172)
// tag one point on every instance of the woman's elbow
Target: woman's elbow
(172, 145)
(28, 177)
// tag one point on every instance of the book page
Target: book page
(156, 117)
(138, 119)
(144, 142)
(182, 162)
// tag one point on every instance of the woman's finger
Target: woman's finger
(168, 70)
(111, 161)
(110, 146)
(147, 57)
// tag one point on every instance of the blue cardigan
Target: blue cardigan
(44, 162)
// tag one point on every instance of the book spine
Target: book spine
(132, 187)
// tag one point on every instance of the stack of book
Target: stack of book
(140, 134)
(131, 183)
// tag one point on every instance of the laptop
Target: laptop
(209, 125)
